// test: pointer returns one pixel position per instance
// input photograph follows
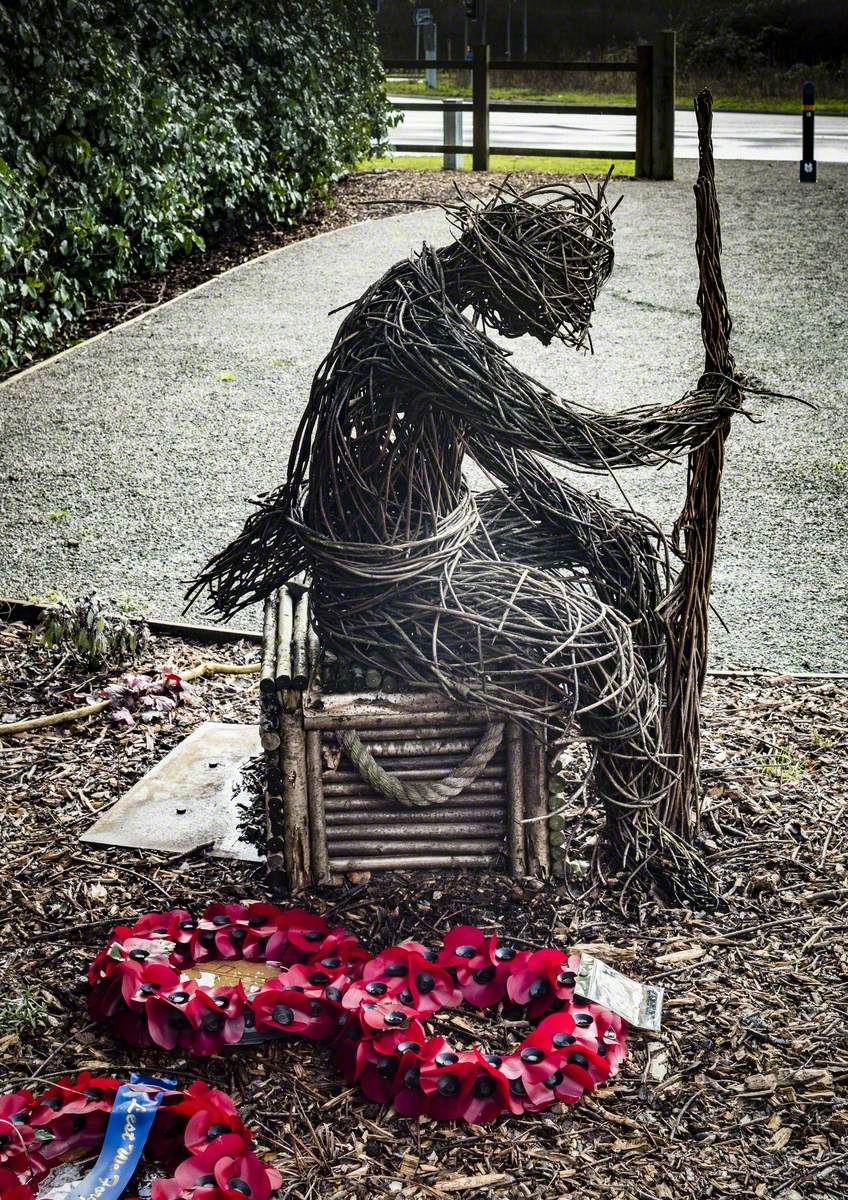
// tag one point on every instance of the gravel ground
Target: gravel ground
(742, 1095)
(130, 458)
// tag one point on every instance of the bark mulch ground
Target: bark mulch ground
(742, 1095)
(363, 196)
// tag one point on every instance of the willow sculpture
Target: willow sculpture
(547, 605)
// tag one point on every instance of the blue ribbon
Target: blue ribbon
(130, 1121)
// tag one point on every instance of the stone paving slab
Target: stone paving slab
(127, 460)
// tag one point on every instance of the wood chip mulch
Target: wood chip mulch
(742, 1095)
(362, 196)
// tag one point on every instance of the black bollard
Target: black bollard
(808, 159)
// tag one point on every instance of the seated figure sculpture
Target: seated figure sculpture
(534, 598)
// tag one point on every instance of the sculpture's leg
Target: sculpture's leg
(687, 607)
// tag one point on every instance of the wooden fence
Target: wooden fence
(654, 71)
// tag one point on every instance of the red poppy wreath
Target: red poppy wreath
(149, 984)
(196, 1135)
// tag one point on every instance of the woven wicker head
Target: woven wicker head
(538, 260)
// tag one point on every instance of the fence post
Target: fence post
(452, 135)
(644, 106)
(480, 105)
(662, 131)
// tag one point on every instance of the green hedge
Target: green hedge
(130, 130)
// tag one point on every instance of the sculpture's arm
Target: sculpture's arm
(453, 365)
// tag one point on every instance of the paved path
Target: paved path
(769, 136)
(130, 458)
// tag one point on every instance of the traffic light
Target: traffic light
(471, 7)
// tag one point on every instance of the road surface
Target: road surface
(770, 136)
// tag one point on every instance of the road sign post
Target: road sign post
(452, 132)
(808, 126)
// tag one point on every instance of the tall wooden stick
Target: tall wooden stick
(687, 607)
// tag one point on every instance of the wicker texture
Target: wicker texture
(544, 605)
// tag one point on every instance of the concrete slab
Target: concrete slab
(188, 799)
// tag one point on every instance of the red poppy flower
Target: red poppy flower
(382, 1061)
(217, 1018)
(490, 1093)
(317, 981)
(167, 925)
(89, 1093)
(409, 975)
(196, 1175)
(569, 1064)
(447, 1078)
(149, 979)
(168, 1019)
(299, 937)
(282, 1009)
(114, 987)
(74, 1131)
(482, 967)
(246, 1175)
(16, 1132)
(608, 1031)
(210, 1125)
(341, 951)
(541, 977)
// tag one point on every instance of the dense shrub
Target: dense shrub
(132, 129)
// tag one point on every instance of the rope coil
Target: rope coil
(422, 795)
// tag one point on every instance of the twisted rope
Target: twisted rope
(422, 795)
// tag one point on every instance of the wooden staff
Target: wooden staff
(687, 607)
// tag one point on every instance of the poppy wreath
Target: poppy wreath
(197, 1134)
(372, 1009)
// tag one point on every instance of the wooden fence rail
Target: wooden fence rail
(654, 71)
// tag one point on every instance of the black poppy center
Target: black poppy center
(484, 1087)
(448, 1085)
(425, 982)
(282, 1014)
